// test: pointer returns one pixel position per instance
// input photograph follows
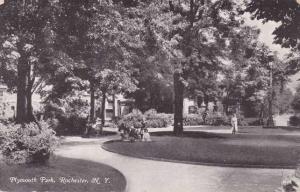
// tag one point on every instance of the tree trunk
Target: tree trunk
(261, 114)
(21, 91)
(30, 116)
(114, 107)
(178, 104)
(92, 102)
(103, 109)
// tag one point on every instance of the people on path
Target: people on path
(234, 124)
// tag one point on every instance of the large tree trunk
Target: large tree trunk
(92, 102)
(21, 90)
(178, 104)
(30, 116)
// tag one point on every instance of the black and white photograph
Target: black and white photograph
(149, 95)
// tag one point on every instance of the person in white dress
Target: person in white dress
(146, 135)
(234, 124)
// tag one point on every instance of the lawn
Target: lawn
(247, 150)
(62, 170)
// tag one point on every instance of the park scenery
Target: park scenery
(150, 95)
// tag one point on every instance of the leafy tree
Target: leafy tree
(194, 36)
(203, 42)
(97, 39)
(286, 12)
(25, 33)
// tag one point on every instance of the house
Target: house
(115, 106)
(8, 103)
(194, 106)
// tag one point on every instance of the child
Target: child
(234, 125)
(123, 133)
(146, 135)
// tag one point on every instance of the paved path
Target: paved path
(157, 176)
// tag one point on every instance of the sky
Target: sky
(266, 36)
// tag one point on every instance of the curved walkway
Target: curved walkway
(152, 176)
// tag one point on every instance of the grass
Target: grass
(249, 150)
(62, 167)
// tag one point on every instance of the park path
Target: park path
(153, 176)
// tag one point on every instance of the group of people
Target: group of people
(134, 134)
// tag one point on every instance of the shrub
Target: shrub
(28, 143)
(151, 117)
(135, 119)
(294, 121)
(290, 184)
(156, 120)
(242, 121)
(70, 114)
(192, 119)
(254, 121)
(217, 119)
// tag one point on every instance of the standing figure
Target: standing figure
(234, 124)
(146, 136)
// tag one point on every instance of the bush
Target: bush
(151, 117)
(294, 121)
(70, 115)
(28, 143)
(217, 119)
(289, 184)
(157, 120)
(192, 119)
(134, 119)
(242, 121)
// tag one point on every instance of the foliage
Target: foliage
(28, 143)
(150, 119)
(192, 119)
(133, 119)
(217, 119)
(289, 184)
(68, 116)
(294, 120)
(157, 120)
(284, 12)
(26, 41)
(296, 101)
